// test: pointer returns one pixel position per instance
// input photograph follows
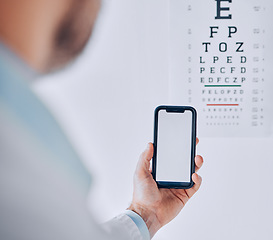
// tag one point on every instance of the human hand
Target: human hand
(158, 206)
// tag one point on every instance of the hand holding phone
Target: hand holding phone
(158, 206)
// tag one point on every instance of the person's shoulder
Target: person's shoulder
(35, 192)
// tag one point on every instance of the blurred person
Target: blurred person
(43, 184)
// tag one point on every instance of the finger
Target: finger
(198, 162)
(197, 183)
(143, 165)
(197, 140)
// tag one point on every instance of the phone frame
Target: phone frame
(179, 109)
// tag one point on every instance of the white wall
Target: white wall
(105, 103)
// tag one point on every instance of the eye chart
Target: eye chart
(220, 55)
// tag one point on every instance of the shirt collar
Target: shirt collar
(16, 62)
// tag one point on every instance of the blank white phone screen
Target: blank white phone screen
(174, 146)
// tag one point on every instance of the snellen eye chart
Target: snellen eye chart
(220, 62)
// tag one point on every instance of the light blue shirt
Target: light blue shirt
(17, 97)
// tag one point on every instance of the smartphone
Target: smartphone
(174, 146)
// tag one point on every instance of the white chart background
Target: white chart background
(105, 102)
(227, 77)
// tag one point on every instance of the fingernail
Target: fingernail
(148, 146)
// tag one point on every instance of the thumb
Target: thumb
(143, 165)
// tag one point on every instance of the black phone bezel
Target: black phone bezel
(170, 184)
